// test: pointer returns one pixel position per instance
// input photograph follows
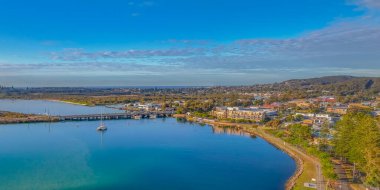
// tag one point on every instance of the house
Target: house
(308, 122)
(274, 105)
(306, 115)
(148, 106)
(301, 103)
(329, 99)
(321, 119)
(341, 110)
(220, 112)
(245, 113)
(376, 113)
(270, 113)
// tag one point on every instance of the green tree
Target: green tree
(324, 135)
(358, 140)
(300, 134)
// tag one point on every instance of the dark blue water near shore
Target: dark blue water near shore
(137, 154)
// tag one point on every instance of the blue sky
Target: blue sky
(171, 42)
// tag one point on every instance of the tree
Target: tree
(275, 123)
(324, 135)
(258, 102)
(298, 117)
(300, 134)
(358, 140)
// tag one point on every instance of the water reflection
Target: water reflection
(216, 129)
(229, 130)
(101, 137)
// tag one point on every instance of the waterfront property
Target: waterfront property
(254, 114)
(143, 107)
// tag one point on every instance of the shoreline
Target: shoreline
(248, 128)
(67, 102)
(276, 142)
(51, 100)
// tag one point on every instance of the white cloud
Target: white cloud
(350, 44)
(369, 4)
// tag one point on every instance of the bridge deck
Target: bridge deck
(109, 116)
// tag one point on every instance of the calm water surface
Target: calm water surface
(161, 154)
(53, 108)
(137, 154)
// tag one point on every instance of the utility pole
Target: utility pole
(353, 172)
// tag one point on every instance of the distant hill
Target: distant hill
(344, 85)
(321, 80)
(350, 87)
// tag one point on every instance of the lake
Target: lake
(142, 154)
(51, 107)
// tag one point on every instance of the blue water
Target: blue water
(137, 154)
(50, 107)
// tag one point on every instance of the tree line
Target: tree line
(358, 140)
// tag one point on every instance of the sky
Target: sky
(186, 42)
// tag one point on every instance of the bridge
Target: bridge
(113, 116)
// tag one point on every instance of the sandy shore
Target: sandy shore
(67, 102)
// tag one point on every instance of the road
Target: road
(342, 176)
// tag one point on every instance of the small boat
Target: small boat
(152, 116)
(101, 127)
(137, 117)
